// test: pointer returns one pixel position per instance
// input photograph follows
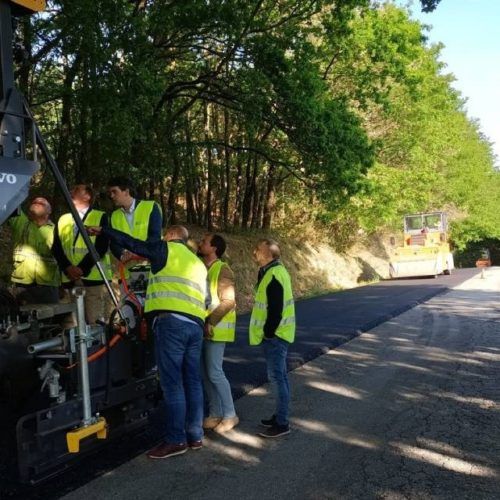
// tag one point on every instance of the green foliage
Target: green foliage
(256, 113)
(430, 156)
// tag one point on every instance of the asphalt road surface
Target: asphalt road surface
(323, 323)
(408, 410)
(328, 321)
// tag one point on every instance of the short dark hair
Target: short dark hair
(219, 243)
(123, 183)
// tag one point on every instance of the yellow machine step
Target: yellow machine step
(74, 437)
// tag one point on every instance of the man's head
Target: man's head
(177, 233)
(212, 245)
(82, 196)
(265, 251)
(121, 191)
(39, 209)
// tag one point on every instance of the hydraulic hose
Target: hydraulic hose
(121, 331)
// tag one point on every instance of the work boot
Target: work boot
(275, 431)
(166, 450)
(226, 424)
(211, 422)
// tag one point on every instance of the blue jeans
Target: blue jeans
(178, 350)
(217, 388)
(275, 351)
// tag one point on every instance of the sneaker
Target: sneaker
(211, 422)
(226, 424)
(268, 422)
(196, 445)
(275, 431)
(166, 450)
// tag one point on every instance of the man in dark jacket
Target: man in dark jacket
(272, 325)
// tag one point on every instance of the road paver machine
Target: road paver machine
(63, 391)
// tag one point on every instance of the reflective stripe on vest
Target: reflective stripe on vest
(177, 295)
(225, 330)
(33, 261)
(176, 279)
(180, 286)
(75, 251)
(286, 328)
(263, 305)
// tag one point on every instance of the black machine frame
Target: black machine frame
(40, 435)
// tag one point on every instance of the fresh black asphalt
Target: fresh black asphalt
(323, 323)
(326, 322)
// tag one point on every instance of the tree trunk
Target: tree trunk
(257, 216)
(83, 157)
(65, 129)
(270, 202)
(227, 172)
(208, 206)
(190, 177)
(250, 192)
(237, 196)
(172, 194)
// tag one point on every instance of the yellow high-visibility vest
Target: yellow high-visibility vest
(286, 328)
(225, 330)
(180, 286)
(33, 261)
(140, 227)
(142, 213)
(75, 251)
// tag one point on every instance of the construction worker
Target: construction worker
(220, 327)
(74, 260)
(175, 304)
(272, 324)
(35, 276)
(141, 219)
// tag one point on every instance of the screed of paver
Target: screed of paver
(407, 410)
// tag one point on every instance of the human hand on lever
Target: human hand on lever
(74, 273)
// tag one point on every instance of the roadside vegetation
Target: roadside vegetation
(324, 121)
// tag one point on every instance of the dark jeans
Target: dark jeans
(178, 351)
(275, 351)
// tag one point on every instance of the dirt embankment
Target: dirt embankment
(315, 268)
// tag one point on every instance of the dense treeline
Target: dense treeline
(257, 114)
